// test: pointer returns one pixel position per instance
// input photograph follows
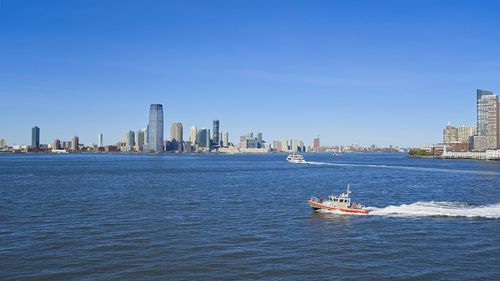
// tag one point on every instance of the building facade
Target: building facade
(35, 137)
(57, 144)
(155, 128)
(225, 140)
(139, 140)
(193, 134)
(488, 119)
(176, 132)
(75, 143)
(216, 134)
(316, 147)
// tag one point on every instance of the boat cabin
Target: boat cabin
(340, 201)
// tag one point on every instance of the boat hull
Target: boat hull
(318, 206)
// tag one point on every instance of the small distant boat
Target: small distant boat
(340, 203)
(296, 158)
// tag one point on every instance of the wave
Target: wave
(432, 208)
(410, 168)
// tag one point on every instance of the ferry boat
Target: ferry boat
(296, 158)
(340, 203)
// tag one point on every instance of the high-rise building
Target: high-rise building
(203, 138)
(225, 139)
(316, 147)
(464, 132)
(450, 134)
(139, 140)
(277, 146)
(130, 139)
(192, 135)
(56, 144)
(35, 137)
(260, 141)
(75, 143)
(2, 143)
(155, 128)
(216, 137)
(176, 132)
(488, 118)
(100, 141)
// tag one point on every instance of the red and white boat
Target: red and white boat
(341, 203)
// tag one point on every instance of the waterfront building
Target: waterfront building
(203, 139)
(316, 145)
(176, 132)
(139, 140)
(225, 141)
(259, 139)
(2, 143)
(75, 143)
(478, 143)
(155, 128)
(193, 134)
(35, 137)
(215, 132)
(130, 139)
(464, 132)
(249, 141)
(100, 141)
(488, 118)
(277, 146)
(296, 146)
(56, 145)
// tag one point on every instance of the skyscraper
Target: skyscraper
(2, 143)
(35, 137)
(100, 140)
(155, 128)
(192, 135)
(316, 145)
(488, 119)
(130, 138)
(56, 144)
(75, 143)
(202, 137)
(176, 132)
(225, 140)
(215, 137)
(139, 140)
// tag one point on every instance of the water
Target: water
(245, 217)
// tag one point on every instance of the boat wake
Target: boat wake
(432, 208)
(409, 168)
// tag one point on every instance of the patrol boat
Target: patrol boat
(296, 158)
(341, 203)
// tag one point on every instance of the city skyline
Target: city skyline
(289, 70)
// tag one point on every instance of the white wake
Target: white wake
(432, 208)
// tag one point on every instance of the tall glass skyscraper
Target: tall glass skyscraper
(155, 128)
(488, 118)
(482, 112)
(216, 137)
(35, 137)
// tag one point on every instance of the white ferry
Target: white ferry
(340, 203)
(296, 158)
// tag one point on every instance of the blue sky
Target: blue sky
(365, 72)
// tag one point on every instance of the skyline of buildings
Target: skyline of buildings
(203, 140)
(482, 137)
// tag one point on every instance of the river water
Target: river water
(245, 217)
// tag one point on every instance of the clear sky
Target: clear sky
(365, 72)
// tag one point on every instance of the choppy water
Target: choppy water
(245, 217)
